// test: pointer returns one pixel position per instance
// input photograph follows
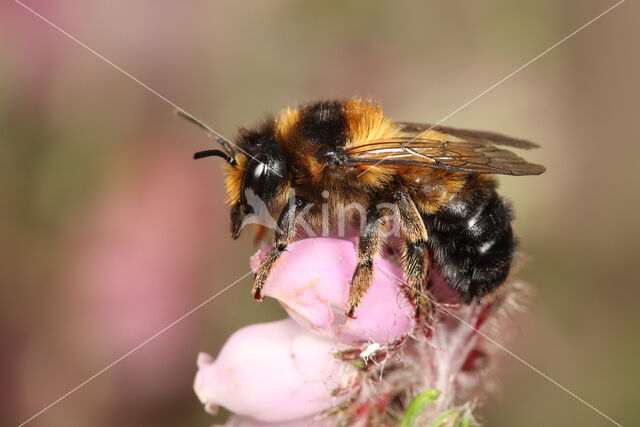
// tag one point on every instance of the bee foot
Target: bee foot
(257, 294)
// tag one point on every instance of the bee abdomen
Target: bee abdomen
(472, 242)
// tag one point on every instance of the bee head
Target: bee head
(256, 168)
(255, 180)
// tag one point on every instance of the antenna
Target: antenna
(216, 153)
(226, 144)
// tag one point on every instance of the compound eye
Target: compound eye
(256, 174)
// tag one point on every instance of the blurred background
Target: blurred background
(110, 231)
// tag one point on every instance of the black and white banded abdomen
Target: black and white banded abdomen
(472, 242)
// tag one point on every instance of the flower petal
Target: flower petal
(312, 279)
(272, 372)
(240, 421)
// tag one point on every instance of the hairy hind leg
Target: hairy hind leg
(368, 247)
(414, 256)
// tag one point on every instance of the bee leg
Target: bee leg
(283, 235)
(414, 256)
(368, 246)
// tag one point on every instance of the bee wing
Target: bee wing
(441, 153)
(483, 137)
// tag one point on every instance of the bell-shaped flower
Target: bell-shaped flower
(311, 281)
(274, 372)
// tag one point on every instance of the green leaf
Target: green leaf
(445, 417)
(466, 422)
(416, 407)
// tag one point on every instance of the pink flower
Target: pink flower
(272, 372)
(312, 283)
(322, 368)
(242, 421)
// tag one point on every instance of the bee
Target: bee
(438, 180)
